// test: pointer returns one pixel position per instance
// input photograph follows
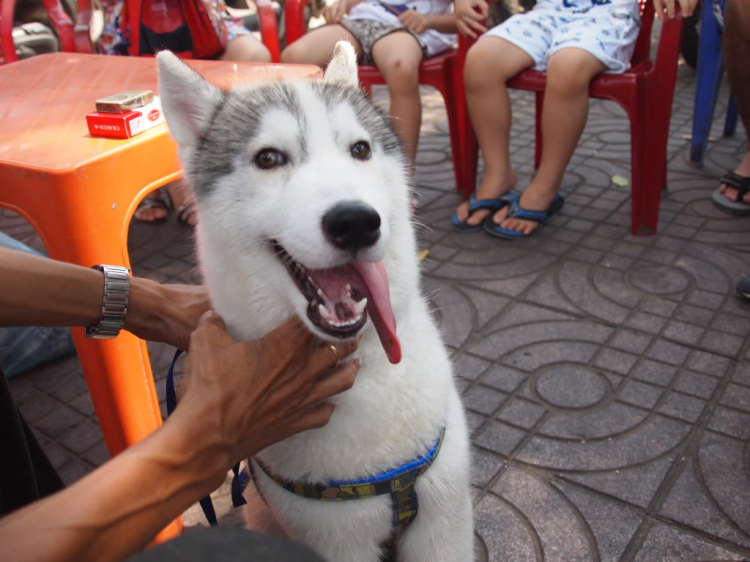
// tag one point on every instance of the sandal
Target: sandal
(492, 205)
(742, 185)
(185, 214)
(518, 212)
(156, 201)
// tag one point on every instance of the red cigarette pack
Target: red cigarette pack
(127, 124)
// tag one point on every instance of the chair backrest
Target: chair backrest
(72, 37)
(7, 49)
(643, 43)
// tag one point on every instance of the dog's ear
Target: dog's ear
(343, 65)
(187, 99)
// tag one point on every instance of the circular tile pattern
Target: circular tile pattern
(660, 280)
(571, 387)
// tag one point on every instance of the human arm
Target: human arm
(235, 400)
(471, 15)
(38, 291)
(419, 23)
(667, 7)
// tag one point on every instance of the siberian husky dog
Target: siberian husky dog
(303, 205)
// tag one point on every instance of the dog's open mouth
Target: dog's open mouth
(340, 299)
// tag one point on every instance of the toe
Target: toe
(462, 211)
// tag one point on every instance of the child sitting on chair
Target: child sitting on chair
(393, 37)
(573, 40)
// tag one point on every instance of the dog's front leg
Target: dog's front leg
(443, 530)
(341, 531)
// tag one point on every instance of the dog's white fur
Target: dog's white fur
(394, 412)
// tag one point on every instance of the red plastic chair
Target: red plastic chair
(438, 72)
(77, 38)
(645, 91)
(60, 21)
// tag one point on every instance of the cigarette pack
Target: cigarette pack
(127, 124)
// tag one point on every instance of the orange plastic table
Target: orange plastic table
(79, 193)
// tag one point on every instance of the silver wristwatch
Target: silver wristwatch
(114, 302)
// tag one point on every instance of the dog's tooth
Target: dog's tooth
(323, 311)
(320, 292)
(360, 306)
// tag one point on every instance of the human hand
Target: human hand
(471, 15)
(236, 399)
(687, 7)
(165, 313)
(335, 11)
(414, 21)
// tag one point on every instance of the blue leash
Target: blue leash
(240, 479)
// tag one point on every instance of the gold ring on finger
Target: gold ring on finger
(335, 354)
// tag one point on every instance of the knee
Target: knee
(481, 68)
(261, 54)
(568, 74)
(246, 48)
(288, 55)
(294, 53)
(401, 75)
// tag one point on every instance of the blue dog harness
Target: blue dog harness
(398, 482)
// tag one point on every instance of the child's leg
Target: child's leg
(490, 63)
(316, 47)
(566, 105)
(246, 47)
(398, 56)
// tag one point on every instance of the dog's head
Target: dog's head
(302, 197)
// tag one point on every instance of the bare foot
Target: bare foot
(153, 208)
(487, 190)
(533, 199)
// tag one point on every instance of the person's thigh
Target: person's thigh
(316, 47)
(608, 37)
(493, 58)
(530, 32)
(398, 56)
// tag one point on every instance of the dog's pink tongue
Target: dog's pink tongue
(379, 308)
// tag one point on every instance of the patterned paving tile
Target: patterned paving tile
(606, 377)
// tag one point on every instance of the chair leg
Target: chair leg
(649, 166)
(708, 79)
(455, 109)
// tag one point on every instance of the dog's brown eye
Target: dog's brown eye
(269, 158)
(361, 150)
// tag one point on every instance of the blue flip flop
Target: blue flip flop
(492, 205)
(518, 212)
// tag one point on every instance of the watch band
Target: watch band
(114, 302)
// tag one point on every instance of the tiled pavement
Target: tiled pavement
(606, 377)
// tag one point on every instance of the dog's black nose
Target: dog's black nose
(352, 226)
